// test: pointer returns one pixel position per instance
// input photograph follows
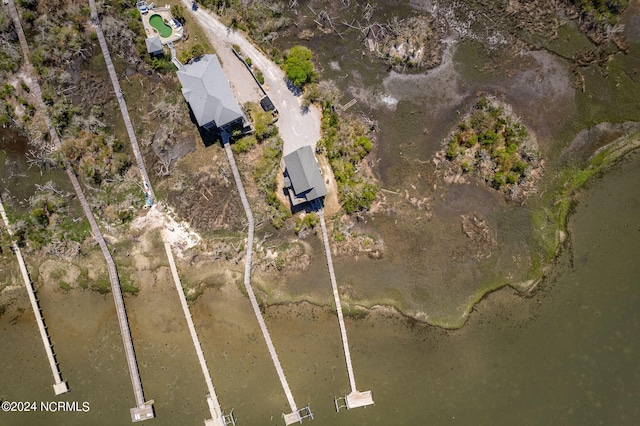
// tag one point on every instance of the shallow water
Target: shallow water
(567, 355)
(17, 177)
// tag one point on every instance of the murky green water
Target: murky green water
(568, 355)
(17, 177)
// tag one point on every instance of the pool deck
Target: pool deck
(165, 14)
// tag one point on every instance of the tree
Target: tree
(177, 10)
(298, 66)
(196, 51)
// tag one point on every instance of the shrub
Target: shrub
(263, 124)
(309, 221)
(244, 144)
(259, 76)
(511, 178)
(161, 64)
(453, 149)
(357, 196)
(177, 10)
(363, 146)
(196, 51)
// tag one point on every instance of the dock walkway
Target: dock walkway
(121, 102)
(217, 416)
(59, 386)
(174, 58)
(355, 398)
(296, 414)
(143, 410)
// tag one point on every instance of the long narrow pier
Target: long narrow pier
(59, 386)
(217, 416)
(143, 410)
(121, 102)
(296, 415)
(354, 399)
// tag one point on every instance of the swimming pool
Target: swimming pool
(157, 22)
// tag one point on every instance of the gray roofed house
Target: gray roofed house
(207, 90)
(303, 179)
(154, 45)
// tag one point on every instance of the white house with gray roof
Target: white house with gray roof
(302, 176)
(206, 88)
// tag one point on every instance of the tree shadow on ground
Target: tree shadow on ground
(296, 90)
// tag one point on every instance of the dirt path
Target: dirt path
(297, 128)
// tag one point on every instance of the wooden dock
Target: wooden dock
(355, 398)
(59, 386)
(217, 416)
(146, 183)
(143, 410)
(296, 415)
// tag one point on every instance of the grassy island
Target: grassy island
(492, 145)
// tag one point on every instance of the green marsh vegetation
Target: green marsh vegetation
(261, 19)
(493, 146)
(550, 213)
(346, 141)
(268, 145)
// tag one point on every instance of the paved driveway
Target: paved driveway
(297, 128)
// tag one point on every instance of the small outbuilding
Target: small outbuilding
(206, 88)
(154, 45)
(302, 177)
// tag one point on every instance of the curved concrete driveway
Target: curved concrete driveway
(297, 129)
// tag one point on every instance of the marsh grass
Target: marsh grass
(550, 216)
